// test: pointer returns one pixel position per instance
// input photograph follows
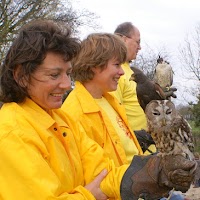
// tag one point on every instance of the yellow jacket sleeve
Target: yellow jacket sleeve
(111, 184)
(44, 156)
(26, 174)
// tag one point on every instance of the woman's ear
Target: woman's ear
(20, 80)
(95, 70)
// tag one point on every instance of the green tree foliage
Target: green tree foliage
(15, 13)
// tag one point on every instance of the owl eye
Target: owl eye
(156, 113)
(169, 111)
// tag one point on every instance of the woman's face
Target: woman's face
(106, 80)
(50, 81)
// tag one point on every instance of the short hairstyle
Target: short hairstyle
(96, 50)
(29, 50)
(126, 29)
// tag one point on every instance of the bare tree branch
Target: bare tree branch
(15, 13)
(190, 54)
(147, 59)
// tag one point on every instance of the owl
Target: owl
(163, 74)
(170, 131)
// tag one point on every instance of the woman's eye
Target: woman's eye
(69, 74)
(54, 75)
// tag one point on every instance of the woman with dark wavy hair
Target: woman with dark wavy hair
(45, 156)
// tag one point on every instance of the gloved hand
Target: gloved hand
(169, 92)
(152, 177)
(144, 139)
(179, 171)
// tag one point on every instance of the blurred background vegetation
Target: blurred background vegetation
(196, 133)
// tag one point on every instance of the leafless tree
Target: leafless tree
(147, 59)
(190, 54)
(15, 13)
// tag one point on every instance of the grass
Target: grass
(196, 134)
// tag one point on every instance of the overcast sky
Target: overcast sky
(161, 23)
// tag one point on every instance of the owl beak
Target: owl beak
(164, 122)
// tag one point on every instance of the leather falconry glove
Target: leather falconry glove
(152, 177)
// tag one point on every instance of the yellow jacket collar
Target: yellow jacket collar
(46, 118)
(84, 97)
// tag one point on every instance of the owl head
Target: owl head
(160, 113)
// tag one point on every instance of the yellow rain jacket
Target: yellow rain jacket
(43, 158)
(82, 107)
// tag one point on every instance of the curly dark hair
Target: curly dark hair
(29, 50)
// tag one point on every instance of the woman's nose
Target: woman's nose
(66, 82)
(121, 71)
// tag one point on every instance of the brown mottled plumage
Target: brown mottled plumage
(170, 131)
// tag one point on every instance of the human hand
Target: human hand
(94, 186)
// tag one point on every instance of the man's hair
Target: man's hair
(126, 29)
(96, 50)
(29, 50)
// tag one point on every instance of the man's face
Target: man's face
(133, 45)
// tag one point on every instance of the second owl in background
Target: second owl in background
(170, 131)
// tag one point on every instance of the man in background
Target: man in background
(126, 91)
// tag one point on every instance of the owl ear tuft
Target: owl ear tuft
(151, 103)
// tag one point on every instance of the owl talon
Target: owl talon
(194, 168)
